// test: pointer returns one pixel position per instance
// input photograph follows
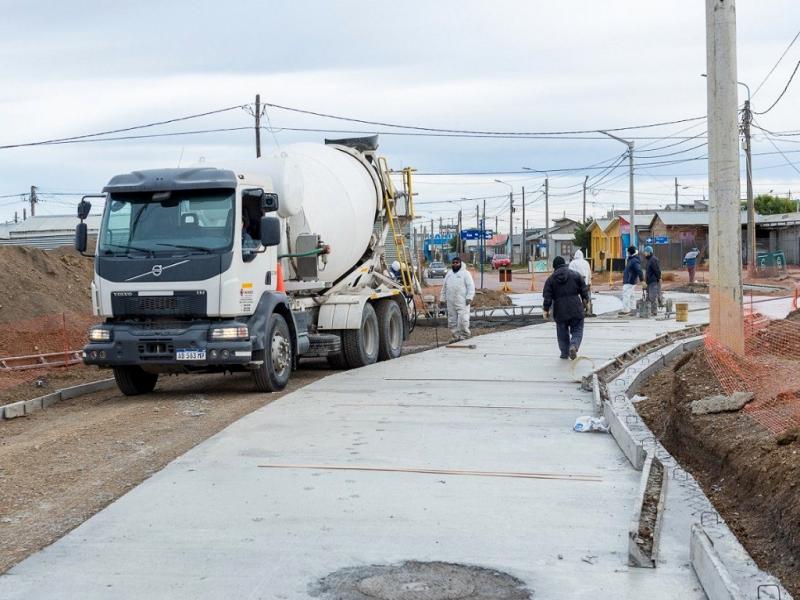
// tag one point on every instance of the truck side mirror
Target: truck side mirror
(81, 236)
(270, 231)
(84, 207)
(269, 202)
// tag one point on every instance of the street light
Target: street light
(747, 117)
(634, 240)
(510, 217)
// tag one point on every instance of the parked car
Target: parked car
(436, 269)
(500, 260)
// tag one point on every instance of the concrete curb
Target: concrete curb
(714, 577)
(637, 557)
(25, 407)
(632, 449)
(710, 550)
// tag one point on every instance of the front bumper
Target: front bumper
(155, 345)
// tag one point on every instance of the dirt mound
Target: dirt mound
(794, 316)
(36, 282)
(489, 298)
(750, 475)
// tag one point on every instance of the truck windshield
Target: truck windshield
(182, 221)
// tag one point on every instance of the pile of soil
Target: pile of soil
(750, 476)
(37, 282)
(489, 298)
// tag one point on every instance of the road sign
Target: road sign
(477, 234)
(659, 240)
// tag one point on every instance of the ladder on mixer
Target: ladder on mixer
(390, 196)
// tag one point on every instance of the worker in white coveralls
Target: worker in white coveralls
(458, 291)
(582, 267)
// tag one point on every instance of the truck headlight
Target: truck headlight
(238, 332)
(99, 334)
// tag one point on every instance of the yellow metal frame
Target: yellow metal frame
(407, 275)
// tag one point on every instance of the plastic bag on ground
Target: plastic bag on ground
(586, 424)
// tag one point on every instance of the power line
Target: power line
(775, 66)
(778, 99)
(124, 129)
(469, 131)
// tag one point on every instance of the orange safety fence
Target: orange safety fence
(770, 368)
(46, 334)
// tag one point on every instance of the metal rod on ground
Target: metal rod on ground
(725, 230)
(66, 338)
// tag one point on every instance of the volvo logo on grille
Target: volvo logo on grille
(156, 270)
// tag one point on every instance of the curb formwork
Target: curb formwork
(723, 567)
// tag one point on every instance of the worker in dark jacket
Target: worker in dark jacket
(652, 279)
(566, 295)
(632, 275)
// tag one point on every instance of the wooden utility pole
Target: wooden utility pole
(524, 243)
(547, 218)
(585, 181)
(725, 229)
(258, 125)
(34, 199)
(676, 193)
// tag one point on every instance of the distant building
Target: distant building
(46, 231)
(562, 240)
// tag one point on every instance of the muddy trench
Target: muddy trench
(750, 475)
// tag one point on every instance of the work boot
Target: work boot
(573, 353)
(564, 357)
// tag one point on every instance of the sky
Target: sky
(87, 66)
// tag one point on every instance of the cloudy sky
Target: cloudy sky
(81, 67)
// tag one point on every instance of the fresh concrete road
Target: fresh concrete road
(332, 476)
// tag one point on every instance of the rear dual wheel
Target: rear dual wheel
(380, 337)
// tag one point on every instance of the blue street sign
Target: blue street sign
(659, 240)
(477, 234)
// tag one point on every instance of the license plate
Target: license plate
(185, 354)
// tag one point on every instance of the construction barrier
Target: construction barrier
(768, 368)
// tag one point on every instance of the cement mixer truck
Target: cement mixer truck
(250, 267)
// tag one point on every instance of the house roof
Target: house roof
(602, 224)
(695, 217)
(641, 220)
(777, 220)
(499, 239)
(52, 225)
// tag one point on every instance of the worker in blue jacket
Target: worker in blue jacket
(632, 275)
(652, 279)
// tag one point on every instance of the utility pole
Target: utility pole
(459, 241)
(725, 230)
(483, 241)
(258, 125)
(34, 199)
(547, 218)
(634, 240)
(24, 214)
(511, 226)
(676, 193)
(585, 181)
(496, 223)
(16, 217)
(524, 244)
(747, 117)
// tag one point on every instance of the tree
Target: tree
(767, 204)
(583, 237)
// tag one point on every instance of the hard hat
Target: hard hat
(396, 265)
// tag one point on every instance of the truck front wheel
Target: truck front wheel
(276, 360)
(134, 380)
(360, 346)
(390, 323)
